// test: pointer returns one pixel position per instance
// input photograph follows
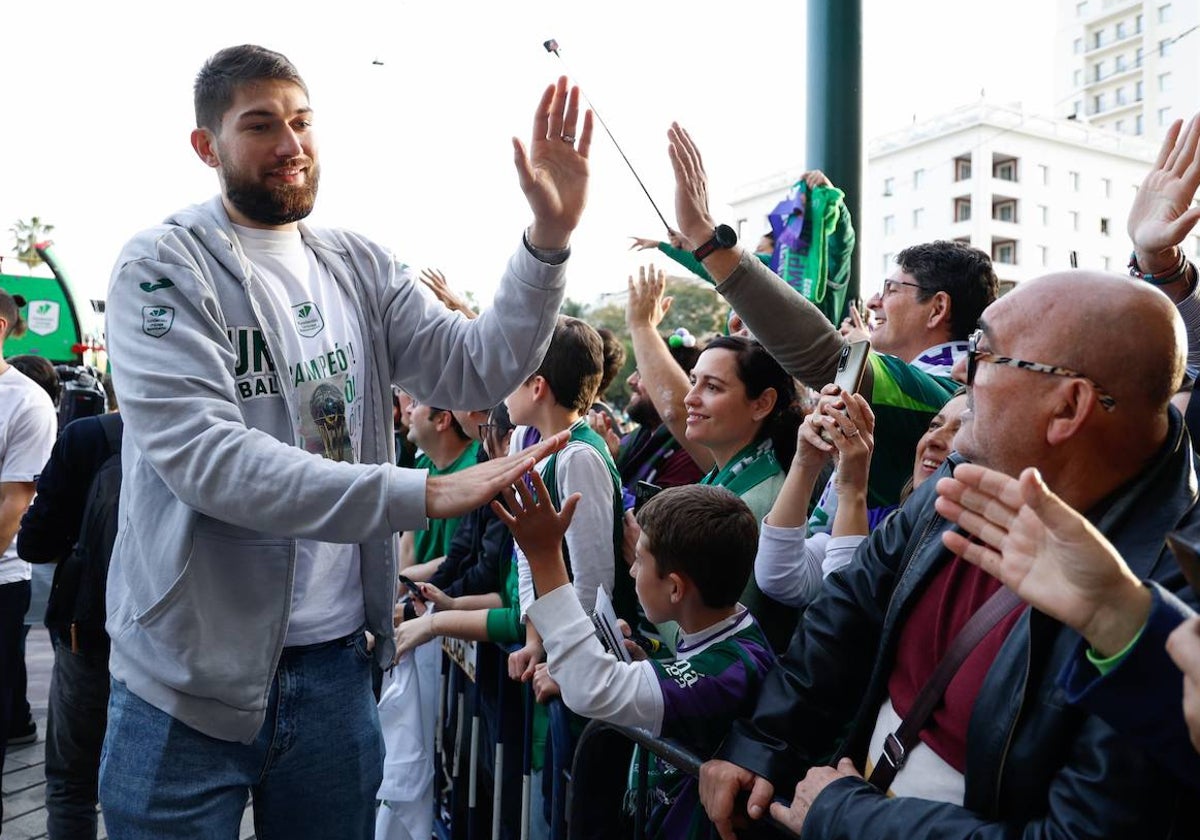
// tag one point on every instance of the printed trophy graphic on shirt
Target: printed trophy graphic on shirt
(326, 422)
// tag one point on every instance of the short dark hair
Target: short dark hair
(220, 77)
(40, 370)
(706, 533)
(759, 370)
(962, 272)
(573, 364)
(10, 311)
(614, 359)
(454, 424)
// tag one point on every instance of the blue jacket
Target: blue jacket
(1141, 698)
(1037, 766)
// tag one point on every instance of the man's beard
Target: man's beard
(279, 205)
(642, 412)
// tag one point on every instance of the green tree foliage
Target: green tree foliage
(26, 235)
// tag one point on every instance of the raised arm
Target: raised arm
(665, 382)
(793, 330)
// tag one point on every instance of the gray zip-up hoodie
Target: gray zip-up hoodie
(215, 490)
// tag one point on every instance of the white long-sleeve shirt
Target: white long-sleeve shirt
(790, 566)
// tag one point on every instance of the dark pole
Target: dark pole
(835, 106)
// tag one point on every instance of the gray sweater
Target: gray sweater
(216, 492)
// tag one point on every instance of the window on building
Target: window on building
(1119, 126)
(1077, 109)
(1077, 78)
(1081, 8)
(1098, 39)
(889, 225)
(888, 259)
(918, 218)
(1104, 226)
(1097, 71)
(962, 168)
(889, 185)
(918, 178)
(1137, 25)
(1098, 103)
(1044, 211)
(1073, 180)
(1106, 188)
(1073, 215)
(1164, 82)
(1005, 252)
(1005, 170)
(1164, 116)
(1077, 46)
(1044, 253)
(1164, 13)
(1120, 96)
(1141, 52)
(1121, 33)
(1119, 63)
(1139, 125)
(1138, 90)
(1005, 211)
(1164, 48)
(962, 209)
(1044, 173)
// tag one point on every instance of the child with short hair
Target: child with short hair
(693, 558)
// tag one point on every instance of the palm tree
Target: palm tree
(26, 235)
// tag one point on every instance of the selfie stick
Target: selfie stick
(552, 47)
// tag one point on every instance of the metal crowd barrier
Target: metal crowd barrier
(588, 773)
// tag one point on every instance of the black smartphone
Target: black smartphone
(412, 587)
(643, 492)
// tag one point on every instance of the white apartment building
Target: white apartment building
(1028, 190)
(1129, 66)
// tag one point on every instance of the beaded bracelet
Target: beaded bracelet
(1176, 274)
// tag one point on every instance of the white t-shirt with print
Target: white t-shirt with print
(323, 365)
(28, 426)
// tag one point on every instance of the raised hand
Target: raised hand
(601, 424)
(1045, 551)
(435, 281)
(1162, 213)
(554, 173)
(646, 305)
(691, 188)
(536, 526)
(641, 243)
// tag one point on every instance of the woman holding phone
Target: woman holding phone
(791, 563)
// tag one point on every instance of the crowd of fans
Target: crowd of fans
(958, 600)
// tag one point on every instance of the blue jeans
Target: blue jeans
(313, 770)
(74, 734)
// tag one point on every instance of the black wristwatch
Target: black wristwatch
(723, 237)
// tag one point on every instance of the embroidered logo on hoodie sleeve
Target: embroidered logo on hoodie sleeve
(157, 320)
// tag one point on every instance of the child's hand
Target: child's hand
(544, 686)
(522, 663)
(636, 652)
(537, 527)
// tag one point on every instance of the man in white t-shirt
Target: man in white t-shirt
(254, 356)
(27, 429)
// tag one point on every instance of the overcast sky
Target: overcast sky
(415, 152)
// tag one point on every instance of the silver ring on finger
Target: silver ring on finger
(568, 138)
(850, 434)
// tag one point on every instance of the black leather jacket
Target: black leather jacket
(1036, 766)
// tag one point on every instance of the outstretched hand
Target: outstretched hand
(691, 188)
(1045, 551)
(554, 173)
(646, 304)
(1162, 213)
(453, 494)
(641, 243)
(536, 526)
(435, 281)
